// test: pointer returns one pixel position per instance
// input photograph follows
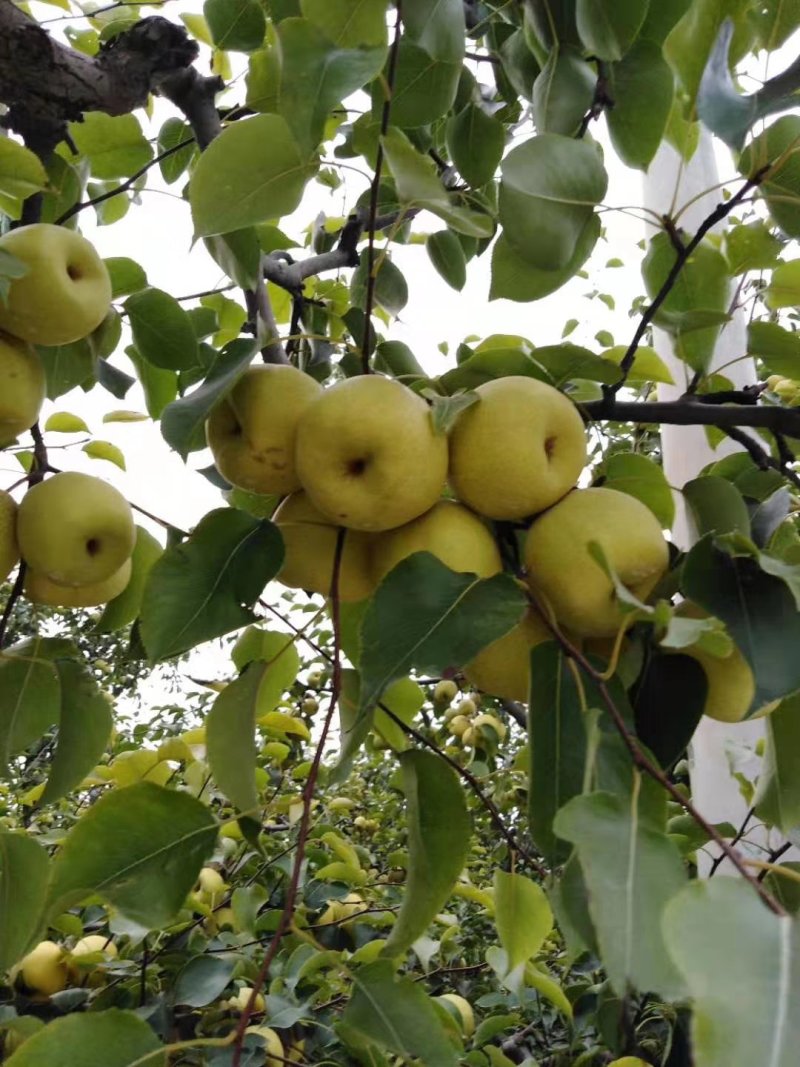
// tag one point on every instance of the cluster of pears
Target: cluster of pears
(363, 454)
(49, 967)
(74, 531)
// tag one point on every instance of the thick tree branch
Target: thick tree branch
(694, 411)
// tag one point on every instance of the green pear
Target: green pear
(251, 432)
(566, 578)
(64, 294)
(41, 590)
(75, 529)
(518, 450)
(22, 388)
(503, 668)
(9, 549)
(451, 532)
(368, 455)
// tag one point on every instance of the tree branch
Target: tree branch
(694, 411)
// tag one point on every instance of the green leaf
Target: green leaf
(30, 701)
(65, 422)
(316, 75)
(21, 171)
(777, 801)
(235, 25)
(183, 421)
(642, 477)
(253, 171)
(126, 276)
(549, 188)
(439, 831)
(202, 979)
(403, 699)
(447, 255)
(783, 290)
(396, 1014)
(492, 363)
(703, 285)
(716, 506)
(230, 739)
(566, 361)
(758, 609)
(24, 867)
(278, 651)
(390, 288)
(557, 745)
(398, 359)
(513, 277)
(84, 729)
(238, 253)
(631, 871)
(697, 926)
(349, 23)
(647, 365)
(114, 144)
(475, 142)
(522, 915)
(418, 185)
(751, 247)
(159, 386)
(174, 132)
(105, 450)
(609, 27)
(563, 92)
(780, 188)
(779, 348)
(206, 586)
(437, 27)
(112, 1038)
(424, 88)
(66, 366)
(140, 847)
(643, 89)
(123, 609)
(162, 330)
(426, 616)
(690, 41)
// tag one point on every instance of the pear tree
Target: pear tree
(388, 756)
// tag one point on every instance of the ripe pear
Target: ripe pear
(40, 590)
(368, 456)
(251, 432)
(66, 291)
(92, 944)
(211, 886)
(75, 529)
(44, 969)
(450, 532)
(309, 539)
(464, 1011)
(241, 1000)
(629, 1061)
(565, 576)
(9, 549)
(518, 450)
(503, 668)
(22, 388)
(272, 1044)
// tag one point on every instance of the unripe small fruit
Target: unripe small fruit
(341, 804)
(469, 737)
(445, 692)
(459, 725)
(310, 705)
(315, 680)
(492, 721)
(210, 885)
(467, 706)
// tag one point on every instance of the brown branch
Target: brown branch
(760, 456)
(694, 411)
(366, 341)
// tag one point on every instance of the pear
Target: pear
(518, 450)
(567, 579)
(40, 590)
(44, 969)
(64, 294)
(75, 529)
(22, 388)
(503, 667)
(368, 456)
(251, 432)
(9, 549)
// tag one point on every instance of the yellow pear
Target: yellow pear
(251, 433)
(75, 529)
(94, 943)
(40, 590)
(565, 576)
(272, 1044)
(368, 456)
(9, 549)
(629, 1061)
(22, 388)
(309, 539)
(731, 684)
(241, 1000)
(503, 668)
(64, 294)
(518, 450)
(464, 1010)
(211, 886)
(450, 532)
(44, 969)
